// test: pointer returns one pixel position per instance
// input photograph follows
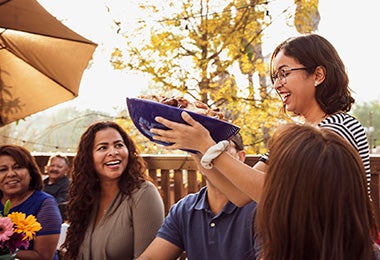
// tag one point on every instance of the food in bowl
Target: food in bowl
(196, 106)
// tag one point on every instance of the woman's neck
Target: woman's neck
(109, 189)
(314, 117)
(16, 199)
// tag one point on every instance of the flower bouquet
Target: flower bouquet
(16, 230)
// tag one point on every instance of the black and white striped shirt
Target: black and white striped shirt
(353, 131)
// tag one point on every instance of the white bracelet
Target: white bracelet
(213, 152)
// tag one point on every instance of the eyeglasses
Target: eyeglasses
(283, 73)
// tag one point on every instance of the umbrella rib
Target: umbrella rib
(28, 18)
(54, 80)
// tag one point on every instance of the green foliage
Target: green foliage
(58, 131)
(307, 16)
(368, 113)
(199, 49)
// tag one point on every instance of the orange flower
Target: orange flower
(27, 225)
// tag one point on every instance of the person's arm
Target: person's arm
(261, 166)
(148, 215)
(194, 136)
(235, 195)
(249, 180)
(45, 243)
(44, 248)
(161, 249)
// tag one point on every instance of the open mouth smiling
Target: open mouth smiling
(113, 163)
(12, 182)
(284, 95)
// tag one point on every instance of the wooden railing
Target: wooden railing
(177, 176)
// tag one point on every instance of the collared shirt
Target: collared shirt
(192, 226)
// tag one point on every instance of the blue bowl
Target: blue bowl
(143, 112)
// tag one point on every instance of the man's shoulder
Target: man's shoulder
(190, 198)
(189, 202)
(64, 180)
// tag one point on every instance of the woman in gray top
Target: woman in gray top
(114, 211)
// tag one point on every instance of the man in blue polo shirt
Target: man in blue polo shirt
(206, 225)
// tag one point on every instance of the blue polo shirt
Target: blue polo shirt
(191, 225)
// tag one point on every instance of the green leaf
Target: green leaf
(7, 207)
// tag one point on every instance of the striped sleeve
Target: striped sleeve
(49, 217)
(264, 158)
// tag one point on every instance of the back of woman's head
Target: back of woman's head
(24, 159)
(314, 203)
(311, 50)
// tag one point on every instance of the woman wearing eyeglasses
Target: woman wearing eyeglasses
(312, 82)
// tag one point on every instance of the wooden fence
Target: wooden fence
(177, 176)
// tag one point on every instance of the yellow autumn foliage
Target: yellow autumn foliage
(211, 50)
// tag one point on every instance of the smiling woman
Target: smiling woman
(111, 198)
(21, 184)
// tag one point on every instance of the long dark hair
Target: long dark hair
(24, 159)
(314, 203)
(85, 186)
(312, 50)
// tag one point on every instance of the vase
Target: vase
(8, 257)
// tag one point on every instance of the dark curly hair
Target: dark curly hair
(24, 159)
(85, 186)
(312, 50)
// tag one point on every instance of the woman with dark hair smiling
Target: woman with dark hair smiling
(21, 184)
(310, 77)
(114, 211)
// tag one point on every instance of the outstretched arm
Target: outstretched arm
(214, 176)
(194, 136)
(160, 249)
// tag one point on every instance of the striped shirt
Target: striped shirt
(352, 130)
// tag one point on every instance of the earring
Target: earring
(315, 84)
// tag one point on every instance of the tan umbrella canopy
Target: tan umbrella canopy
(41, 60)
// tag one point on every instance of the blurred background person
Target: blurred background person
(57, 183)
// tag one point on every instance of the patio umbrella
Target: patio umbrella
(41, 60)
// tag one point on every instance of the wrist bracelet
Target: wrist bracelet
(213, 152)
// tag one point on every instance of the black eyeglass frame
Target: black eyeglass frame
(284, 73)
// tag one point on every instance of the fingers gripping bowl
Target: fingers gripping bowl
(143, 112)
